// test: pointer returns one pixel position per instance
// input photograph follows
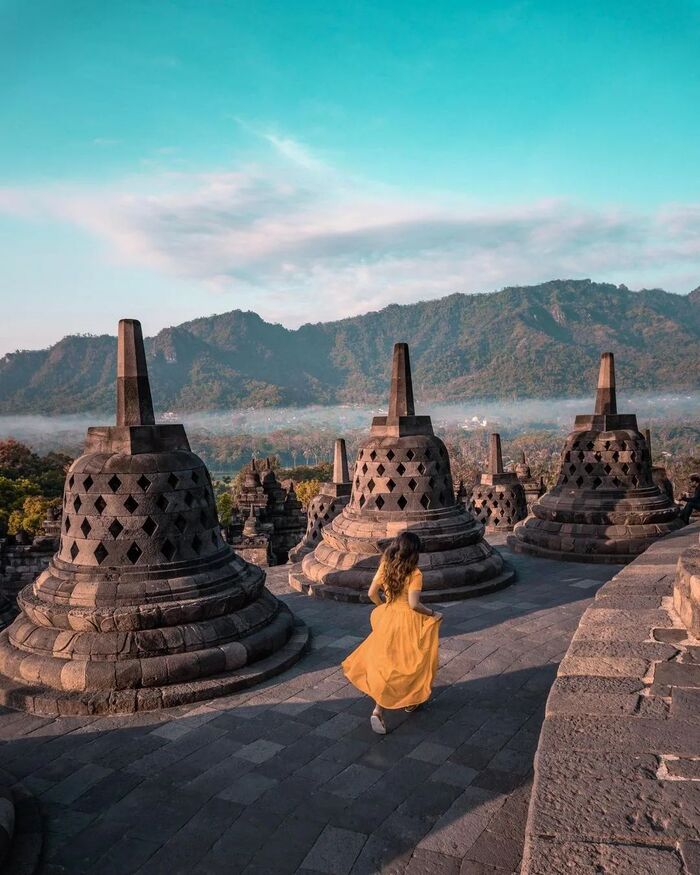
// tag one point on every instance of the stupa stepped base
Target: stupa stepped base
(578, 542)
(265, 656)
(457, 574)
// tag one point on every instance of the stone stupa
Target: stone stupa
(402, 481)
(325, 507)
(658, 472)
(144, 605)
(605, 506)
(498, 499)
(532, 487)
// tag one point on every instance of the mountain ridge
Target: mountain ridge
(520, 342)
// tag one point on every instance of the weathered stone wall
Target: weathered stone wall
(20, 564)
(616, 770)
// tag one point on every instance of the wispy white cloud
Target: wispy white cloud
(302, 244)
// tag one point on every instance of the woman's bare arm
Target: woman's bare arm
(415, 602)
(374, 591)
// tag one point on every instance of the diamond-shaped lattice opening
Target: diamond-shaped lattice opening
(590, 445)
(114, 483)
(362, 500)
(66, 523)
(412, 484)
(401, 470)
(87, 482)
(410, 455)
(197, 544)
(74, 550)
(189, 498)
(195, 477)
(579, 482)
(373, 455)
(572, 469)
(379, 501)
(131, 504)
(143, 482)
(168, 550)
(431, 482)
(172, 481)
(635, 480)
(100, 504)
(507, 503)
(85, 527)
(371, 484)
(588, 468)
(101, 553)
(380, 470)
(596, 482)
(357, 482)
(115, 528)
(625, 468)
(425, 501)
(133, 554)
(149, 526)
(326, 517)
(180, 523)
(364, 468)
(616, 481)
(607, 469)
(402, 502)
(390, 455)
(421, 468)
(427, 453)
(581, 456)
(71, 481)
(623, 445)
(607, 445)
(390, 485)
(162, 502)
(77, 503)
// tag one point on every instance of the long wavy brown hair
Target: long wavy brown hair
(399, 560)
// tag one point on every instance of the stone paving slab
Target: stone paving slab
(617, 766)
(288, 776)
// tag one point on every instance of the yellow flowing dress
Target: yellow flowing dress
(397, 662)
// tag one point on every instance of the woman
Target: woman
(396, 664)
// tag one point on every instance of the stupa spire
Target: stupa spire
(401, 392)
(495, 456)
(340, 462)
(134, 403)
(606, 399)
(647, 438)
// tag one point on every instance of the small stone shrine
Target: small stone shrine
(253, 544)
(498, 500)
(278, 511)
(325, 507)
(532, 487)
(605, 506)
(143, 606)
(402, 481)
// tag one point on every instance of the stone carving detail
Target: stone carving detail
(658, 472)
(498, 500)
(325, 507)
(402, 480)
(605, 506)
(143, 605)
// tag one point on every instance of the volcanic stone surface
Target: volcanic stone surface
(325, 507)
(498, 500)
(605, 506)
(402, 481)
(144, 605)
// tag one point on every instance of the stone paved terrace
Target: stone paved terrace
(288, 777)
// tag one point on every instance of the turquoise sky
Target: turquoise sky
(312, 160)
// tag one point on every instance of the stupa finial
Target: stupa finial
(401, 393)
(606, 399)
(495, 457)
(340, 463)
(647, 438)
(134, 403)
